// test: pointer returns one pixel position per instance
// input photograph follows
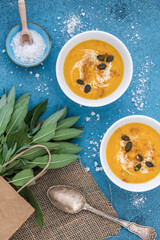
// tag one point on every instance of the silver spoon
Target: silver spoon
(72, 201)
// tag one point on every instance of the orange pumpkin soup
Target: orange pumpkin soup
(93, 69)
(133, 153)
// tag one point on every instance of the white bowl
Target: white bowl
(115, 42)
(141, 187)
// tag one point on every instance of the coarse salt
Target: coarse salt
(88, 119)
(93, 113)
(37, 75)
(87, 169)
(28, 53)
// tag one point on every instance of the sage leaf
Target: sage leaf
(45, 134)
(38, 152)
(23, 177)
(9, 153)
(25, 164)
(67, 123)
(19, 136)
(67, 147)
(57, 160)
(36, 129)
(54, 117)
(64, 134)
(1, 156)
(64, 113)
(29, 196)
(3, 101)
(30, 114)
(20, 101)
(78, 127)
(37, 113)
(5, 116)
(11, 96)
(18, 116)
(13, 164)
(5, 150)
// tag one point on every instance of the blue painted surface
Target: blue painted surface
(137, 24)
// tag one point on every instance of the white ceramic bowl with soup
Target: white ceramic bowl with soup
(130, 153)
(94, 68)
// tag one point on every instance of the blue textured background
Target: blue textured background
(137, 24)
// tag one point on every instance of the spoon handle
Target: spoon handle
(146, 233)
(22, 12)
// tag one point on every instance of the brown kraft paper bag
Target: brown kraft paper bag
(14, 210)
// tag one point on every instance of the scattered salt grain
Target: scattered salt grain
(30, 72)
(11, 72)
(138, 200)
(95, 164)
(37, 75)
(28, 53)
(72, 23)
(93, 113)
(87, 169)
(3, 51)
(83, 14)
(98, 117)
(88, 119)
(99, 169)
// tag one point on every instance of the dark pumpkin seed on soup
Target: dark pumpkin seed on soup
(125, 138)
(137, 167)
(80, 81)
(87, 88)
(149, 164)
(139, 157)
(101, 66)
(110, 58)
(128, 146)
(101, 57)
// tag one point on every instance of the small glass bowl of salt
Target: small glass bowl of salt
(28, 55)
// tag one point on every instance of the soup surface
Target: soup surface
(93, 69)
(133, 153)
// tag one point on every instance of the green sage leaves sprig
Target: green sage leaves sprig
(20, 129)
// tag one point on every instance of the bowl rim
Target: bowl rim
(34, 65)
(60, 76)
(134, 187)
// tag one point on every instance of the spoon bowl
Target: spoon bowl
(68, 194)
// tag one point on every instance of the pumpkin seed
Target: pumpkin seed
(139, 157)
(110, 58)
(149, 164)
(101, 57)
(101, 66)
(128, 146)
(80, 81)
(137, 167)
(125, 138)
(87, 88)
